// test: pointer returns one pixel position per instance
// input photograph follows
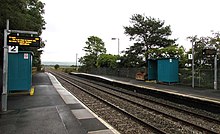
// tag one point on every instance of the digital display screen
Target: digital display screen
(23, 41)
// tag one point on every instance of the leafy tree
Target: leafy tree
(23, 15)
(56, 66)
(199, 43)
(171, 51)
(148, 33)
(94, 47)
(215, 41)
(107, 60)
(133, 57)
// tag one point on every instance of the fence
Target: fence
(204, 78)
(121, 72)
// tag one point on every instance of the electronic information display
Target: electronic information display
(23, 41)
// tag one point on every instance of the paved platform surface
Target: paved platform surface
(198, 93)
(52, 110)
(209, 94)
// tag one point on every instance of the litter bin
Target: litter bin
(20, 71)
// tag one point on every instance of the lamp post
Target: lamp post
(118, 53)
(118, 43)
(76, 59)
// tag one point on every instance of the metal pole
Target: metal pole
(5, 70)
(215, 73)
(21, 31)
(76, 60)
(193, 82)
(118, 47)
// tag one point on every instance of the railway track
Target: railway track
(158, 117)
(117, 117)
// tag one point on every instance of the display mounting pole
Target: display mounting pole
(5, 70)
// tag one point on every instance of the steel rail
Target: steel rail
(208, 118)
(114, 106)
(154, 110)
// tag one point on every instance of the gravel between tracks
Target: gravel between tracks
(123, 123)
(118, 120)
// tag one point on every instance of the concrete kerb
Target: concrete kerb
(71, 99)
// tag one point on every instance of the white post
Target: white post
(5, 70)
(193, 82)
(118, 44)
(118, 47)
(76, 59)
(215, 72)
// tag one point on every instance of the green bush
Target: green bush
(56, 66)
(68, 70)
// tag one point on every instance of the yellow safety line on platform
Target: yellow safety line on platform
(32, 91)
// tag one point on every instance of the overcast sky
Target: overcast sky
(71, 22)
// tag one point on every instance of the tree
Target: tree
(170, 52)
(56, 66)
(94, 47)
(133, 57)
(107, 60)
(23, 15)
(201, 60)
(148, 33)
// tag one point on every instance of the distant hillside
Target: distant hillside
(59, 63)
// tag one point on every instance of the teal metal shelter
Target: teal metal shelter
(163, 70)
(20, 71)
(152, 69)
(167, 70)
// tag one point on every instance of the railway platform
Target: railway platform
(52, 109)
(209, 95)
(199, 93)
